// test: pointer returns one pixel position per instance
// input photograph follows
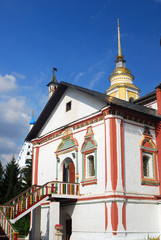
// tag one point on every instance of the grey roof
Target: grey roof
(147, 97)
(53, 77)
(109, 100)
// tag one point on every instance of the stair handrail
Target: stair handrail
(10, 209)
(21, 194)
(7, 226)
(17, 208)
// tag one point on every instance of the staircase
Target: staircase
(24, 203)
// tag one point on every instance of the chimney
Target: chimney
(158, 96)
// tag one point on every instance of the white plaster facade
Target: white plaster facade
(117, 205)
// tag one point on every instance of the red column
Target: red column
(113, 152)
(114, 217)
(36, 165)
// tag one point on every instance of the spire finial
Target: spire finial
(119, 42)
(55, 69)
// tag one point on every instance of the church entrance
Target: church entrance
(68, 228)
(68, 174)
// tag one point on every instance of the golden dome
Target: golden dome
(121, 71)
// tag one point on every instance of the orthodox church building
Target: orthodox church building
(98, 158)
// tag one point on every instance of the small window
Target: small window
(90, 166)
(68, 106)
(147, 166)
(28, 153)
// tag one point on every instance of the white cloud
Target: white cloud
(95, 79)
(14, 110)
(78, 76)
(18, 75)
(7, 158)
(7, 83)
(14, 126)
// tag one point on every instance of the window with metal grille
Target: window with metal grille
(90, 166)
(148, 168)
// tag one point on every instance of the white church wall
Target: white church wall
(82, 105)
(95, 222)
(45, 221)
(142, 216)
(98, 136)
(132, 138)
(47, 159)
(47, 162)
(152, 105)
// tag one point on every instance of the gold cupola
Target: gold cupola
(122, 79)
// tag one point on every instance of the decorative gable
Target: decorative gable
(89, 141)
(68, 142)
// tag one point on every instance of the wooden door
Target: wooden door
(71, 172)
(71, 178)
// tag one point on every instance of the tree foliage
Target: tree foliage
(27, 174)
(12, 182)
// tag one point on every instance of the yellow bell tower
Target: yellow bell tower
(122, 79)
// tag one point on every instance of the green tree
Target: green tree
(12, 182)
(26, 172)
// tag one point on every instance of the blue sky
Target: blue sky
(79, 38)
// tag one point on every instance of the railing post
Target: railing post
(15, 235)
(52, 187)
(58, 233)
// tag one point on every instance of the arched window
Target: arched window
(89, 158)
(147, 166)
(148, 159)
(90, 166)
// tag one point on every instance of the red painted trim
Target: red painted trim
(153, 152)
(113, 152)
(85, 160)
(118, 196)
(101, 115)
(106, 217)
(46, 203)
(122, 154)
(124, 215)
(105, 155)
(141, 162)
(137, 125)
(158, 141)
(36, 165)
(89, 182)
(33, 164)
(158, 95)
(155, 166)
(37, 141)
(114, 217)
(147, 105)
